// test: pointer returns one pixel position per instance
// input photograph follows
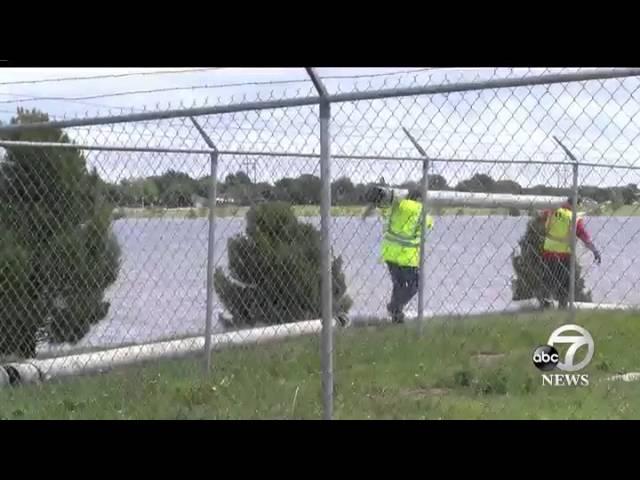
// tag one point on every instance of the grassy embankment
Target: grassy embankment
(458, 369)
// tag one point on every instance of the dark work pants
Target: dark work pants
(405, 286)
(556, 279)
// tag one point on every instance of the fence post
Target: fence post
(424, 188)
(325, 252)
(325, 248)
(423, 235)
(574, 224)
(213, 193)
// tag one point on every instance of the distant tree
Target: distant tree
(113, 194)
(303, 190)
(600, 195)
(545, 190)
(202, 186)
(409, 185)
(285, 190)
(617, 199)
(263, 192)
(238, 178)
(171, 177)
(480, 182)
(629, 195)
(177, 195)
(57, 251)
(308, 189)
(507, 186)
(360, 193)
(437, 182)
(140, 192)
(175, 188)
(343, 192)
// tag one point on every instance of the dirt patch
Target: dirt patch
(425, 392)
(486, 358)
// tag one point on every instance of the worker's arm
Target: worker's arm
(368, 210)
(428, 222)
(581, 233)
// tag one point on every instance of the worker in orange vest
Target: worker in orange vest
(556, 253)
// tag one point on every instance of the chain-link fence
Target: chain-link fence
(112, 252)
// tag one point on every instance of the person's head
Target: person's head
(578, 200)
(414, 194)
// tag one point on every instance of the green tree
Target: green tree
(437, 182)
(629, 194)
(175, 188)
(343, 192)
(529, 268)
(202, 189)
(238, 178)
(177, 195)
(286, 190)
(140, 192)
(275, 271)
(507, 186)
(617, 199)
(57, 251)
(480, 182)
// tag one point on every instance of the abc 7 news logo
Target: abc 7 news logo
(546, 357)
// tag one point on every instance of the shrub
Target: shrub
(57, 251)
(275, 271)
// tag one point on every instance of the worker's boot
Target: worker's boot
(545, 303)
(343, 320)
(396, 315)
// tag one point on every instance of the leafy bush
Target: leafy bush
(275, 274)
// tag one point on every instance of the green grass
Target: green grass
(300, 210)
(381, 373)
(337, 211)
(622, 211)
(227, 211)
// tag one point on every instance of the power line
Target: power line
(114, 75)
(27, 98)
(79, 100)
(376, 75)
(144, 92)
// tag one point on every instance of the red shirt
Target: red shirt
(581, 233)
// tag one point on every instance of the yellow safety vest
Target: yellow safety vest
(401, 241)
(558, 232)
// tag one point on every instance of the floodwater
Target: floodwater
(161, 289)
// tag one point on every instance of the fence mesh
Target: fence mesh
(104, 245)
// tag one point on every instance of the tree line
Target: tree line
(177, 189)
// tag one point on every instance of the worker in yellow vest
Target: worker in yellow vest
(401, 245)
(556, 253)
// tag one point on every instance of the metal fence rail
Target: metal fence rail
(128, 233)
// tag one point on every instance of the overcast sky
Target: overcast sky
(599, 120)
